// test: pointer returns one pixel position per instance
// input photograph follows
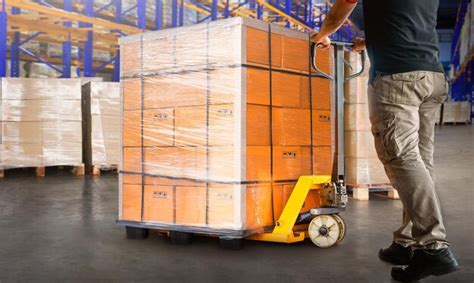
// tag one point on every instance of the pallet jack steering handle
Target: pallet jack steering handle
(338, 45)
(339, 78)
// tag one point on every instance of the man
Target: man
(407, 86)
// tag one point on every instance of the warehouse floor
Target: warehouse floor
(62, 227)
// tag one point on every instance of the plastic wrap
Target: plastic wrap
(41, 122)
(457, 112)
(363, 168)
(215, 131)
(101, 126)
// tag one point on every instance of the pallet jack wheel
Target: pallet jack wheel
(231, 244)
(324, 231)
(181, 238)
(134, 233)
(342, 225)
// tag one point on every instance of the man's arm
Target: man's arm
(340, 11)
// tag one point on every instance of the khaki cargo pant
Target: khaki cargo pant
(402, 112)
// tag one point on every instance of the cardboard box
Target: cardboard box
(21, 110)
(290, 90)
(365, 171)
(187, 89)
(291, 126)
(291, 162)
(322, 135)
(159, 127)
(132, 93)
(158, 204)
(257, 85)
(22, 132)
(321, 89)
(191, 206)
(132, 128)
(21, 155)
(360, 144)
(177, 162)
(323, 160)
(131, 202)
(357, 117)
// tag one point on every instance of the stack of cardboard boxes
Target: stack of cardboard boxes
(363, 168)
(218, 124)
(101, 125)
(40, 122)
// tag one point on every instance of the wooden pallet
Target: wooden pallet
(40, 171)
(363, 191)
(97, 169)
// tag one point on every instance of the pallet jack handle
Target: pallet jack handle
(338, 78)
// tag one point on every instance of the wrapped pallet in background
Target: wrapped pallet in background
(456, 112)
(101, 125)
(218, 125)
(41, 122)
(363, 168)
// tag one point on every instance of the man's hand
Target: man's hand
(359, 44)
(322, 42)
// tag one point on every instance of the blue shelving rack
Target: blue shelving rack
(462, 85)
(87, 25)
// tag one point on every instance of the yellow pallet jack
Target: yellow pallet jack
(322, 224)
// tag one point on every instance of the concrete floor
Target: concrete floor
(61, 228)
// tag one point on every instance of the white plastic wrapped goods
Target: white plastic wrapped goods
(362, 165)
(40, 122)
(101, 115)
(457, 112)
(217, 126)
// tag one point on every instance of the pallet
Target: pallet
(363, 191)
(40, 171)
(97, 169)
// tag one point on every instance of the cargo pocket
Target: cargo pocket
(385, 139)
(409, 88)
(442, 97)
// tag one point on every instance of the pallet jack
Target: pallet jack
(322, 225)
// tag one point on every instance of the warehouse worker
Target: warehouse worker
(407, 86)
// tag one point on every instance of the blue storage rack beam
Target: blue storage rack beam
(462, 86)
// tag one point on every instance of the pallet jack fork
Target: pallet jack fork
(326, 228)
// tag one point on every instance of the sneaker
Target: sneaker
(396, 254)
(425, 263)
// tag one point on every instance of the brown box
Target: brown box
(191, 205)
(290, 90)
(159, 127)
(158, 204)
(365, 171)
(176, 162)
(131, 128)
(321, 90)
(357, 117)
(131, 200)
(291, 162)
(132, 93)
(187, 89)
(22, 132)
(360, 144)
(323, 160)
(291, 126)
(322, 128)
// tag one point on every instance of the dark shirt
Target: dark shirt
(401, 35)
